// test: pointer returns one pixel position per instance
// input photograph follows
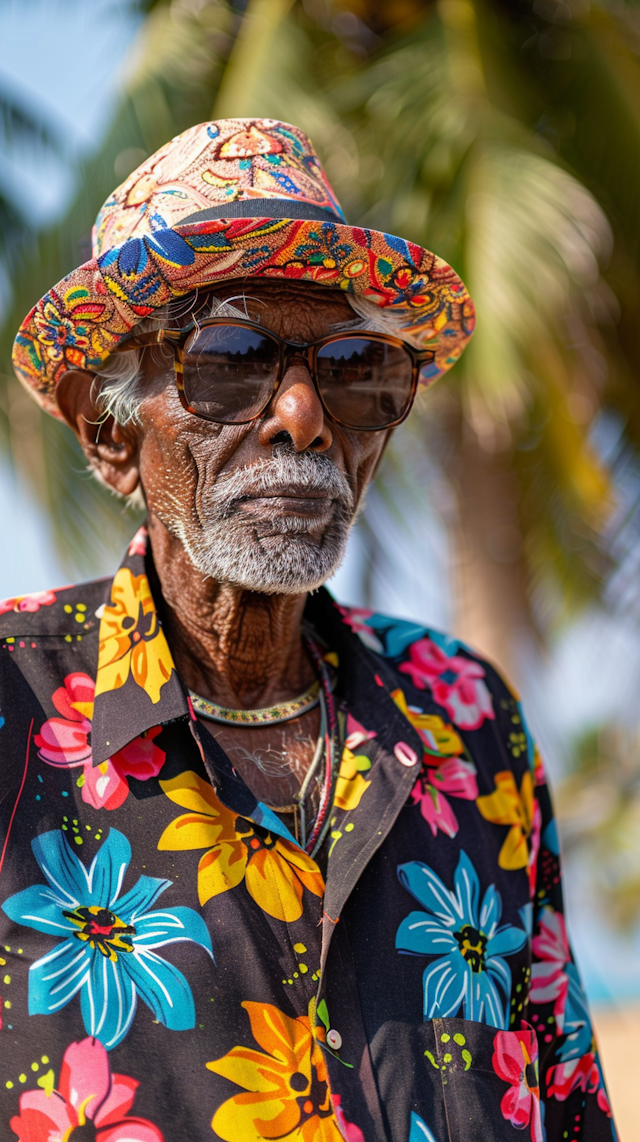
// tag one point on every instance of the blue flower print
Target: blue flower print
(419, 1131)
(464, 934)
(577, 1024)
(109, 940)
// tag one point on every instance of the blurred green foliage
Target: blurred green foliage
(599, 809)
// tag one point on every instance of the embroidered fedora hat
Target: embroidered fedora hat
(234, 199)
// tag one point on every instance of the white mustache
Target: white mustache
(285, 472)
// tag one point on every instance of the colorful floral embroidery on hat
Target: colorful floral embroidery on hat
(145, 254)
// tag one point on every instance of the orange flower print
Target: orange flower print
(285, 1087)
(275, 871)
(131, 639)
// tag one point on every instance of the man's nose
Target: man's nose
(297, 413)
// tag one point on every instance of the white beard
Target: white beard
(225, 543)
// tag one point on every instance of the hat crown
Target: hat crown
(225, 161)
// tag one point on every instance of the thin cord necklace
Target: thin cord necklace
(320, 692)
(331, 735)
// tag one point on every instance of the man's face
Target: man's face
(266, 506)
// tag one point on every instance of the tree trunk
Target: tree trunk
(491, 610)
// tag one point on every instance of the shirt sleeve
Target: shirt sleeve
(572, 1088)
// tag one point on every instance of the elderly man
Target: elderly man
(270, 868)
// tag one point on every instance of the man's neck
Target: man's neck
(235, 647)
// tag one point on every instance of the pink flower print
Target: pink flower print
(435, 808)
(88, 1100)
(28, 602)
(534, 849)
(103, 786)
(456, 683)
(106, 786)
(64, 742)
(549, 979)
(602, 1099)
(515, 1059)
(455, 777)
(138, 545)
(580, 1073)
(539, 775)
(349, 1131)
(356, 733)
(356, 619)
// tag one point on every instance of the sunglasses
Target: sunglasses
(229, 371)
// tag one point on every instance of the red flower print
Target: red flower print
(515, 1059)
(64, 742)
(89, 1100)
(566, 1077)
(455, 682)
(28, 603)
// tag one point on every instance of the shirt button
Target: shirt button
(334, 1039)
(405, 754)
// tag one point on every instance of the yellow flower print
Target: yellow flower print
(436, 735)
(131, 639)
(275, 871)
(507, 806)
(285, 1087)
(350, 784)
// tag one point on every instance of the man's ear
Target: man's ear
(112, 451)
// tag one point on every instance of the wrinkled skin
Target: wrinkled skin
(237, 647)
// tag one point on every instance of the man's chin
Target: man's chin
(273, 565)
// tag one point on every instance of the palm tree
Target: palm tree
(449, 122)
(430, 130)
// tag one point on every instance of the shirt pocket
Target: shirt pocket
(452, 1080)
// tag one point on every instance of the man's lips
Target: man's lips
(300, 502)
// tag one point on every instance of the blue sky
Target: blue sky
(61, 58)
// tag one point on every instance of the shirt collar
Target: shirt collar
(137, 685)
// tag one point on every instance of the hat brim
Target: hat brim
(79, 323)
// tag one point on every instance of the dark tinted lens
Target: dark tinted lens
(365, 383)
(229, 372)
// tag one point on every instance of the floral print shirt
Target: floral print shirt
(173, 966)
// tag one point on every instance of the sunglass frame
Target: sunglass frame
(307, 351)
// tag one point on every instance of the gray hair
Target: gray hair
(118, 386)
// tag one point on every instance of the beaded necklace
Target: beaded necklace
(266, 716)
